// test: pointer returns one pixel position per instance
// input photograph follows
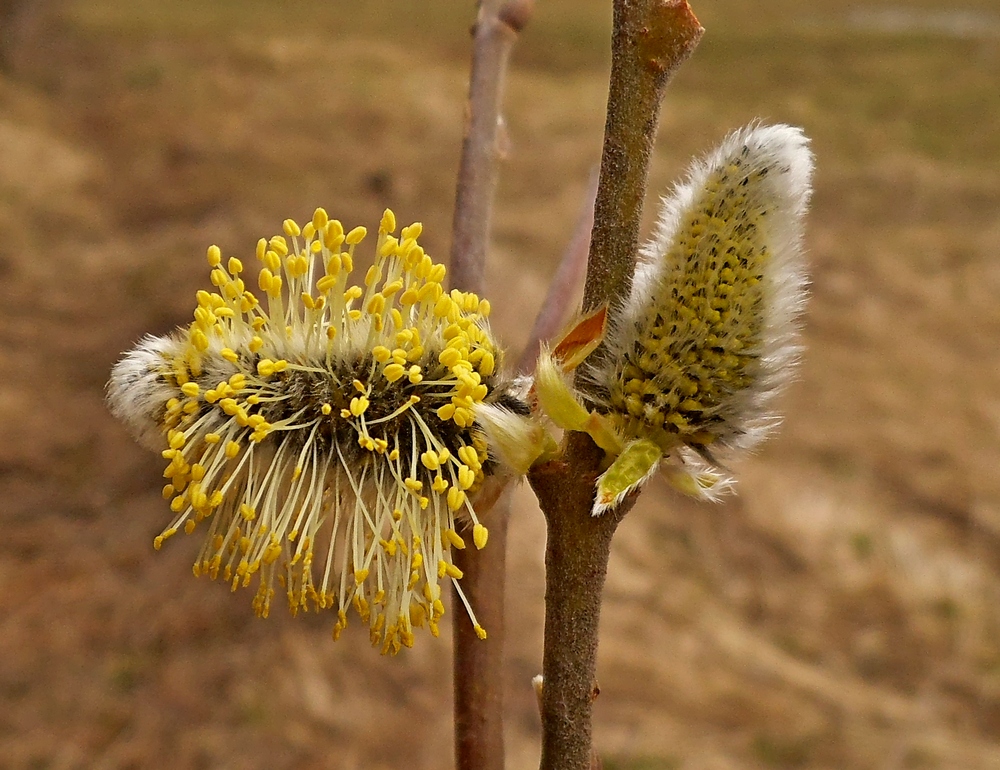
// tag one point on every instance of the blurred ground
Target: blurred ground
(842, 612)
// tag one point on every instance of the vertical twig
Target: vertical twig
(495, 32)
(478, 667)
(650, 39)
(565, 283)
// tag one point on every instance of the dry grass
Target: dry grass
(841, 613)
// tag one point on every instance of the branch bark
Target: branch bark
(478, 664)
(650, 39)
(495, 32)
(566, 282)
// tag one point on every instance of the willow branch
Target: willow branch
(495, 32)
(650, 39)
(478, 666)
(565, 283)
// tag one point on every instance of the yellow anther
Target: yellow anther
(487, 364)
(463, 417)
(320, 219)
(352, 294)
(214, 256)
(480, 535)
(393, 372)
(326, 409)
(235, 266)
(466, 477)
(190, 389)
(358, 405)
(480, 631)
(232, 449)
(456, 498)
(443, 306)
(199, 340)
(414, 485)
(356, 236)
(430, 460)
(437, 273)
(326, 283)
(388, 223)
(272, 259)
(444, 568)
(449, 357)
(291, 228)
(265, 367)
(271, 553)
(454, 539)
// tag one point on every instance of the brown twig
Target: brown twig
(495, 32)
(565, 283)
(478, 667)
(650, 39)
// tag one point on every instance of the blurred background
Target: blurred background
(842, 612)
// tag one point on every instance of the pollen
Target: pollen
(322, 434)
